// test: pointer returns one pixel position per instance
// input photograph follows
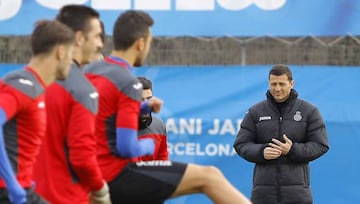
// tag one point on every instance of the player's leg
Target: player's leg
(210, 181)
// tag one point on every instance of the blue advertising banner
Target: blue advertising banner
(204, 106)
(203, 17)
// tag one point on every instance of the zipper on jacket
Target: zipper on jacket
(278, 166)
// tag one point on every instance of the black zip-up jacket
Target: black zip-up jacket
(284, 180)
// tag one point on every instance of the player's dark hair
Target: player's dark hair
(147, 84)
(129, 27)
(47, 34)
(77, 17)
(103, 34)
(281, 69)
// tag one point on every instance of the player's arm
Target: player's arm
(127, 143)
(145, 107)
(151, 105)
(82, 150)
(8, 107)
(245, 143)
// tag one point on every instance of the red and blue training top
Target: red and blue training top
(67, 168)
(22, 100)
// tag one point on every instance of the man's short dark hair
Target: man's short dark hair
(47, 34)
(280, 69)
(103, 33)
(129, 27)
(77, 17)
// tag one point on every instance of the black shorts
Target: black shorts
(150, 182)
(31, 196)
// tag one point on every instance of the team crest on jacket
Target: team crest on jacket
(297, 116)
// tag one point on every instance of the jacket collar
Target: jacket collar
(293, 97)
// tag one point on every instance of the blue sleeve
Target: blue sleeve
(128, 145)
(6, 171)
(16, 192)
(145, 108)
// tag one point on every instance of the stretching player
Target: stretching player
(152, 127)
(117, 124)
(67, 169)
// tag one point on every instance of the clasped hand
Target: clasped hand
(277, 148)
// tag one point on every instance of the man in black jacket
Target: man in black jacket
(281, 135)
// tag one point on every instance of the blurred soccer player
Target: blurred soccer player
(152, 127)
(117, 125)
(67, 169)
(22, 109)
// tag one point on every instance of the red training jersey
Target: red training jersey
(22, 99)
(157, 131)
(119, 107)
(67, 168)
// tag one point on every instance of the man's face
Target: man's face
(280, 87)
(62, 70)
(93, 42)
(143, 55)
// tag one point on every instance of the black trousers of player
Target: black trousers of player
(150, 182)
